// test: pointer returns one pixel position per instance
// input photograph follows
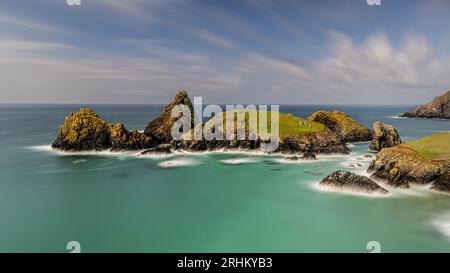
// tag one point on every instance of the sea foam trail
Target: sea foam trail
(238, 161)
(442, 224)
(396, 117)
(336, 190)
(177, 163)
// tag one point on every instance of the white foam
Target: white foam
(298, 161)
(396, 117)
(347, 191)
(41, 148)
(48, 148)
(442, 224)
(238, 161)
(79, 161)
(177, 163)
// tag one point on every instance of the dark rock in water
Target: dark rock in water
(439, 107)
(162, 149)
(160, 127)
(384, 136)
(367, 156)
(348, 129)
(304, 156)
(85, 131)
(346, 181)
(442, 182)
(308, 156)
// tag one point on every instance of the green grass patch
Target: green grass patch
(289, 125)
(434, 147)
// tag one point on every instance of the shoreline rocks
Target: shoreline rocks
(439, 107)
(349, 182)
(384, 136)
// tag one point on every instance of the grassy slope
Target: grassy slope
(289, 125)
(434, 147)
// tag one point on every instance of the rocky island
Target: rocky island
(321, 133)
(439, 107)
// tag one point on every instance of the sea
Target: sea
(202, 202)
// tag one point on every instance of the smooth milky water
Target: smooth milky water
(212, 202)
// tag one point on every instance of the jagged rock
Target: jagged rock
(324, 142)
(348, 129)
(384, 136)
(439, 107)
(367, 156)
(81, 131)
(163, 149)
(308, 156)
(85, 130)
(122, 139)
(401, 166)
(304, 156)
(160, 127)
(442, 182)
(346, 181)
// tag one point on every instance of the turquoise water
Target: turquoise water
(123, 202)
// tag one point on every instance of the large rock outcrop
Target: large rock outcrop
(349, 182)
(423, 161)
(348, 129)
(439, 107)
(160, 127)
(85, 131)
(384, 136)
(296, 135)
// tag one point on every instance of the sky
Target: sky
(229, 51)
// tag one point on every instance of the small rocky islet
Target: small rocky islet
(425, 161)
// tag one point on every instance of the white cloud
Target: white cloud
(377, 65)
(16, 21)
(213, 38)
(374, 71)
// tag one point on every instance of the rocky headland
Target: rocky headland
(439, 107)
(424, 161)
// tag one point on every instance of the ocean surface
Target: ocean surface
(212, 202)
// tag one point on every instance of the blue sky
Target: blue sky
(260, 51)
